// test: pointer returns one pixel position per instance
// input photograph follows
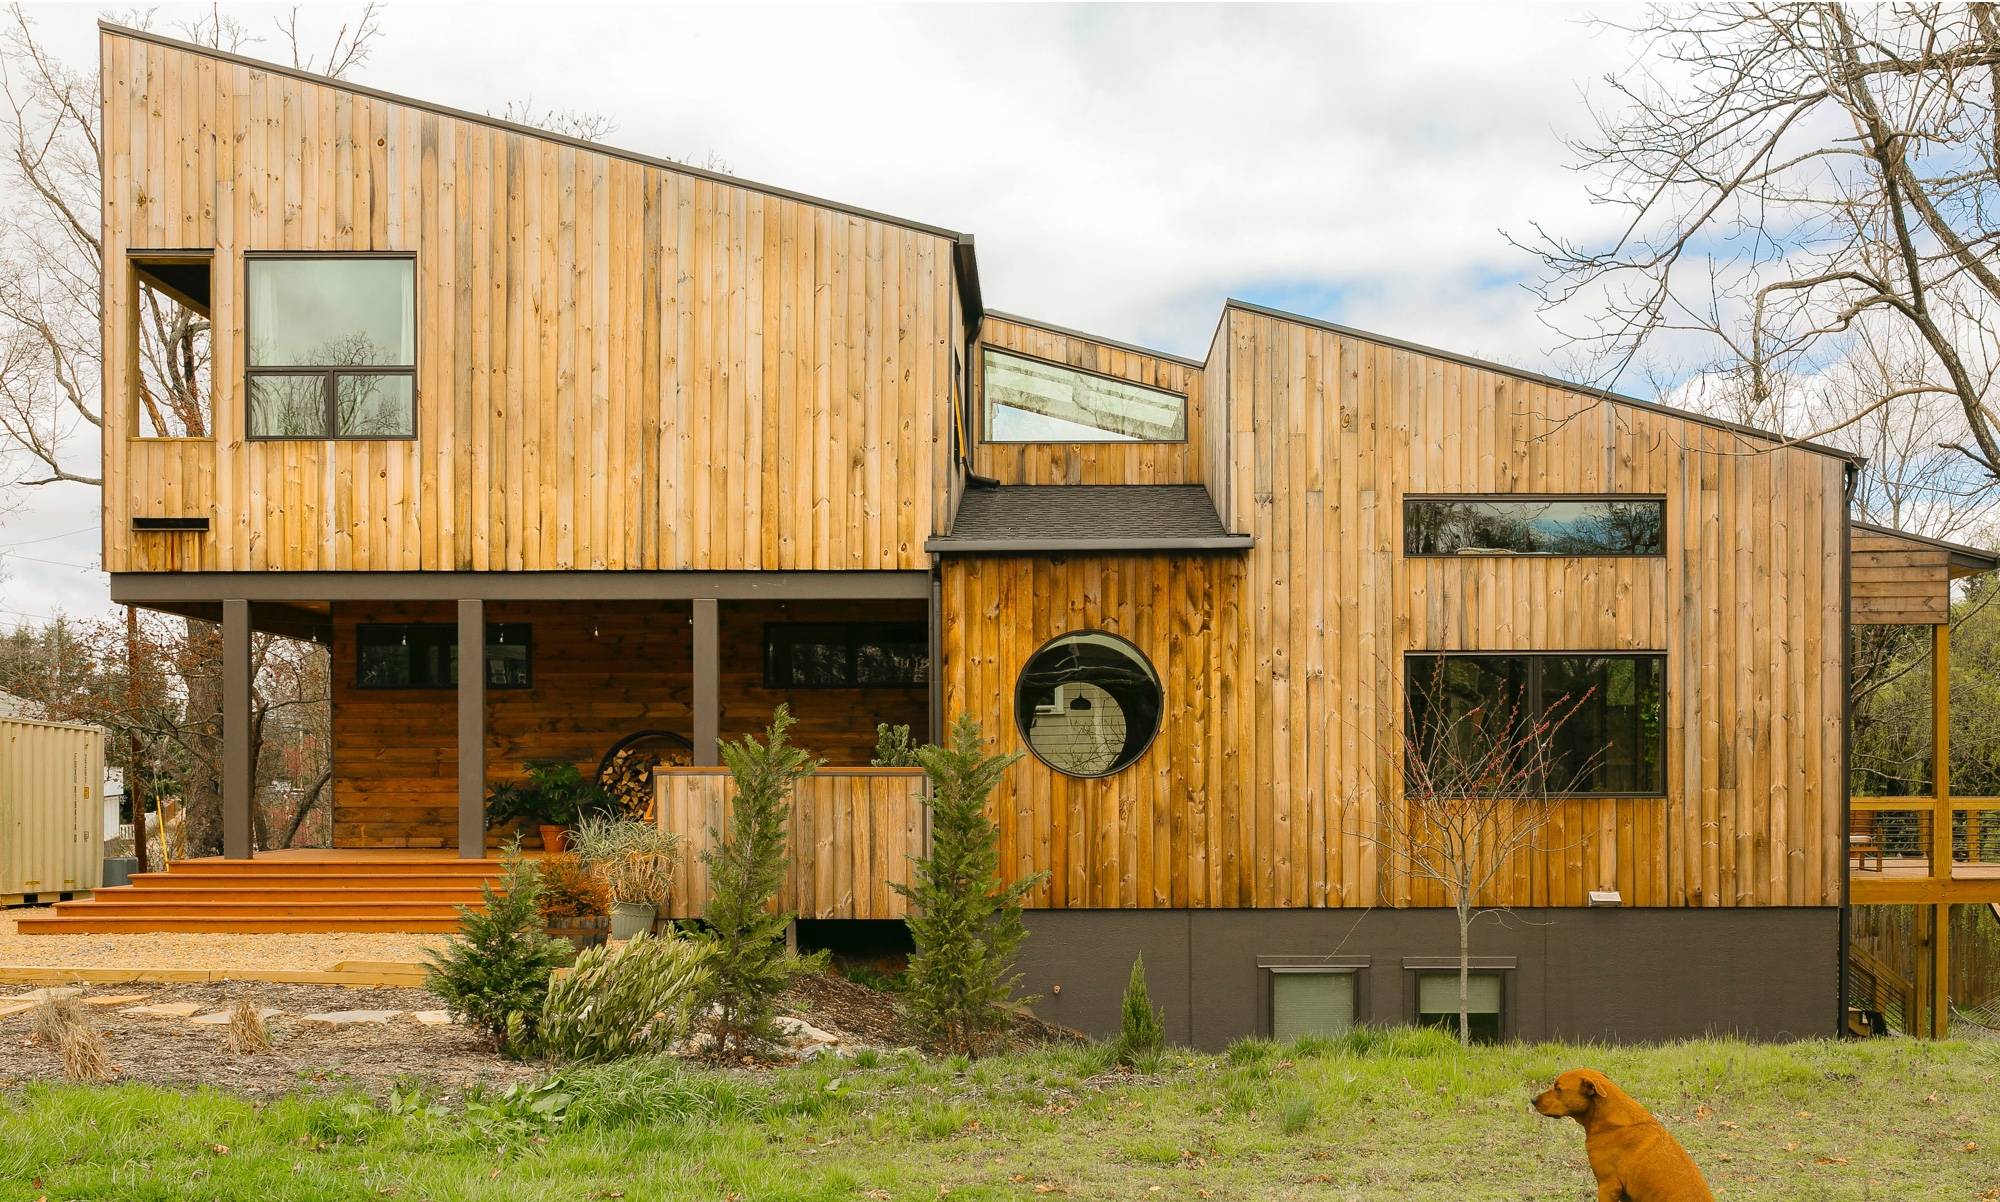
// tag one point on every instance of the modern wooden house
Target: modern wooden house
(557, 446)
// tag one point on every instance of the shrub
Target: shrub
(749, 961)
(1142, 1032)
(569, 890)
(497, 967)
(624, 1001)
(634, 860)
(965, 922)
(893, 747)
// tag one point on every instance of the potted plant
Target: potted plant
(572, 900)
(555, 796)
(635, 862)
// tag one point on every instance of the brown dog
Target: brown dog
(1633, 1156)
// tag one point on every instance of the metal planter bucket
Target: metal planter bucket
(630, 918)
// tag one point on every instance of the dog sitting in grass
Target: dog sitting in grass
(1633, 1156)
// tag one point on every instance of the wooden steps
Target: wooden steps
(277, 894)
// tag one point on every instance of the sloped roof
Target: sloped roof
(1087, 517)
(1965, 560)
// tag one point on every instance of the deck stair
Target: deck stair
(328, 892)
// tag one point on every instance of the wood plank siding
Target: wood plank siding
(619, 365)
(1282, 666)
(599, 672)
(1900, 581)
(1090, 462)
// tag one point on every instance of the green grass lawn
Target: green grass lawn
(1399, 1115)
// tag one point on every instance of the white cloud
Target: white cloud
(1124, 168)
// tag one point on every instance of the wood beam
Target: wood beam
(238, 771)
(707, 681)
(471, 728)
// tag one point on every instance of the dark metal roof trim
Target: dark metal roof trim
(257, 64)
(1962, 555)
(1604, 394)
(1136, 349)
(947, 545)
(148, 588)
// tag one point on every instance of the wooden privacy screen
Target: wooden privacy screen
(853, 831)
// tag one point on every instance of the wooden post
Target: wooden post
(1939, 1003)
(472, 729)
(707, 682)
(238, 773)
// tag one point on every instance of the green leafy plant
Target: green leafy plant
(965, 921)
(749, 963)
(635, 860)
(1142, 1031)
(555, 792)
(633, 999)
(894, 748)
(497, 967)
(569, 890)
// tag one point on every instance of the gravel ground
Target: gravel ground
(168, 950)
(309, 1056)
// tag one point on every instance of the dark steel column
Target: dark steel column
(707, 681)
(472, 729)
(239, 783)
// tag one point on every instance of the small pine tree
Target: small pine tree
(965, 921)
(1142, 1029)
(893, 747)
(497, 967)
(749, 964)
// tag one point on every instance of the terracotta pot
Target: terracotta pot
(555, 840)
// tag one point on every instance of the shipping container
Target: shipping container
(51, 812)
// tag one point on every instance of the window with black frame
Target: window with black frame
(1535, 525)
(1606, 714)
(1088, 704)
(331, 349)
(424, 655)
(1437, 1004)
(846, 655)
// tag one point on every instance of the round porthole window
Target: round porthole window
(1088, 703)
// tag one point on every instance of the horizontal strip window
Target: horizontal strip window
(176, 523)
(331, 346)
(1561, 724)
(424, 655)
(1034, 400)
(1535, 525)
(846, 655)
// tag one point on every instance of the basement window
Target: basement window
(332, 346)
(1033, 400)
(424, 655)
(170, 327)
(1437, 1004)
(1311, 1001)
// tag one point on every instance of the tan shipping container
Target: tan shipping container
(51, 808)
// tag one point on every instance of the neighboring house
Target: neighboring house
(555, 444)
(12, 705)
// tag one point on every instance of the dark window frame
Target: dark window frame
(855, 634)
(331, 374)
(1355, 968)
(449, 636)
(985, 406)
(1159, 722)
(1534, 705)
(1503, 1019)
(1414, 499)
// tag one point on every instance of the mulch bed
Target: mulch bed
(869, 1016)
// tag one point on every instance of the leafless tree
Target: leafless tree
(574, 123)
(1790, 181)
(1468, 793)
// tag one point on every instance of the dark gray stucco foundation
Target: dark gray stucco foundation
(1616, 975)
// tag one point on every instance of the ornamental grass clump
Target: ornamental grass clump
(60, 1023)
(247, 1033)
(638, 997)
(494, 974)
(634, 860)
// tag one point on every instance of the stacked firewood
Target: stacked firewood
(628, 778)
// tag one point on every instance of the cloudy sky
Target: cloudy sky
(1124, 168)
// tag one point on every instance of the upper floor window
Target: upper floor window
(1033, 400)
(1537, 525)
(332, 346)
(170, 328)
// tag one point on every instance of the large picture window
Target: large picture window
(1088, 704)
(1612, 737)
(424, 655)
(1534, 526)
(846, 655)
(332, 346)
(1033, 400)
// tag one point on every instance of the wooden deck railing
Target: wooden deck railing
(1899, 829)
(853, 831)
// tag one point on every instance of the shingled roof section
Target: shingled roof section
(1087, 517)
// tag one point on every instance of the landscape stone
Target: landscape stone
(116, 999)
(42, 995)
(345, 1018)
(166, 1010)
(432, 1018)
(10, 1009)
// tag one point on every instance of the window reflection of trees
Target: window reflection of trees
(1549, 527)
(1088, 704)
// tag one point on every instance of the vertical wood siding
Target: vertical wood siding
(618, 365)
(1283, 665)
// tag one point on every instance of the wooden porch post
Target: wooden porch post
(472, 729)
(1939, 1005)
(238, 773)
(707, 681)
